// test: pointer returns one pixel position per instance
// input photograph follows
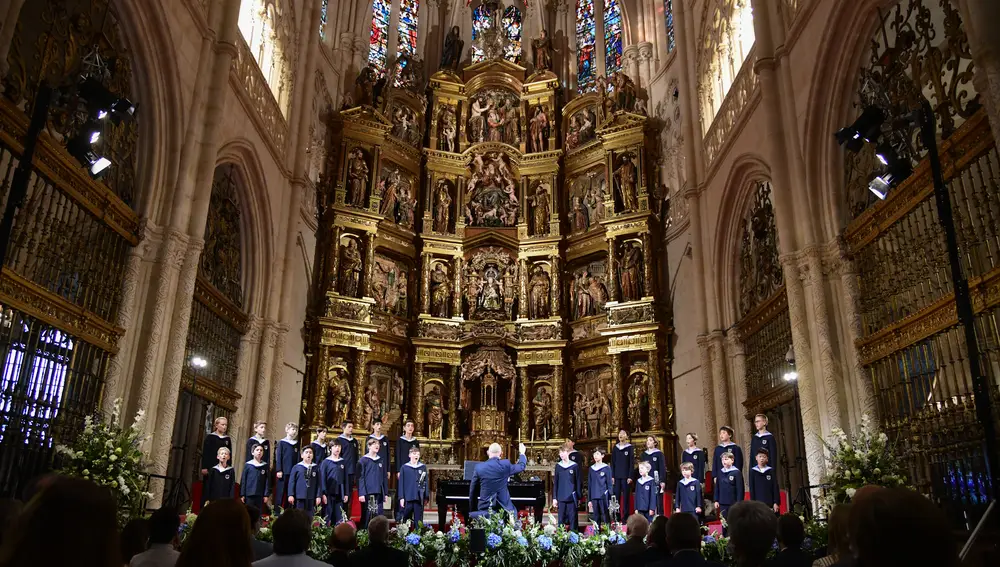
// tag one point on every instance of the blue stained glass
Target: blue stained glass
(407, 44)
(379, 42)
(612, 37)
(322, 18)
(512, 27)
(481, 21)
(668, 10)
(585, 31)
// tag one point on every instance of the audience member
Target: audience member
(134, 538)
(791, 534)
(343, 540)
(838, 545)
(378, 551)
(70, 521)
(10, 509)
(220, 537)
(163, 525)
(752, 528)
(629, 553)
(656, 542)
(683, 535)
(900, 515)
(261, 549)
(292, 532)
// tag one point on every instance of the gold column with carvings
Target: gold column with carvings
(360, 383)
(456, 296)
(333, 259)
(369, 267)
(522, 303)
(556, 270)
(425, 283)
(453, 387)
(617, 414)
(557, 394)
(647, 262)
(525, 408)
(612, 271)
(417, 393)
(655, 394)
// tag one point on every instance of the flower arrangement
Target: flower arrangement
(865, 458)
(110, 454)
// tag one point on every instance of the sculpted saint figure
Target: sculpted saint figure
(538, 291)
(539, 123)
(357, 178)
(631, 273)
(442, 207)
(340, 391)
(434, 410)
(541, 210)
(389, 189)
(350, 268)
(440, 291)
(626, 184)
(451, 56)
(448, 129)
(541, 47)
(542, 403)
(477, 121)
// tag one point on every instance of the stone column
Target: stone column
(242, 419)
(646, 63)
(453, 403)
(719, 378)
(360, 383)
(984, 44)
(114, 386)
(526, 424)
(655, 395)
(369, 267)
(456, 306)
(647, 264)
(522, 301)
(612, 271)
(264, 365)
(425, 283)
(617, 415)
(829, 366)
(418, 399)
(556, 287)
(707, 386)
(630, 63)
(738, 357)
(558, 389)
(863, 388)
(360, 53)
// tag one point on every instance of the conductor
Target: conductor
(491, 477)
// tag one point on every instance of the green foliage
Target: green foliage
(865, 458)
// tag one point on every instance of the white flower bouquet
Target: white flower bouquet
(865, 458)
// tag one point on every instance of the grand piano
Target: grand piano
(455, 493)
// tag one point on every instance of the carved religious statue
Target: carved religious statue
(631, 272)
(637, 403)
(340, 392)
(448, 129)
(451, 56)
(389, 191)
(540, 212)
(350, 268)
(397, 389)
(539, 287)
(442, 206)
(541, 48)
(372, 407)
(542, 404)
(491, 192)
(357, 178)
(434, 410)
(364, 85)
(626, 183)
(591, 295)
(580, 416)
(538, 129)
(440, 291)
(477, 121)
(490, 296)
(406, 207)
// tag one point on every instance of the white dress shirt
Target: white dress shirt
(158, 555)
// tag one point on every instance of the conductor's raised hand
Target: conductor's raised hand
(521, 448)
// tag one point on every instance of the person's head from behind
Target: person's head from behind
(839, 539)
(658, 533)
(57, 508)
(253, 514)
(344, 537)
(222, 530)
(291, 532)
(378, 530)
(636, 525)
(134, 537)
(791, 532)
(494, 451)
(163, 526)
(905, 515)
(752, 527)
(683, 532)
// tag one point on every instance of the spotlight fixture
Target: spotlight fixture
(865, 129)
(896, 170)
(104, 103)
(81, 147)
(198, 362)
(791, 376)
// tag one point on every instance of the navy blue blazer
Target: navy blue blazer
(491, 477)
(286, 456)
(646, 494)
(765, 441)
(319, 451)
(566, 481)
(729, 486)
(383, 448)
(304, 482)
(411, 488)
(688, 496)
(658, 461)
(372, 479)
(697, 458)
(333, 477)
(403, 451)
(599, 482)
(764, 486)
(255, 480)
(221, 483)
(263, 443)
(622, 461)
(717, 457)
(210, 449)
(349, 451)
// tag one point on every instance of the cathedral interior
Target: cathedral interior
(508, 221)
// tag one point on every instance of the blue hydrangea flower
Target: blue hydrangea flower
(709, 539)
(807, 544)
(545, 542)
(574, 538)
(493, 541)
(521, 541)
(413, 539)
(617, 538)
(774, 545)
(453, 536)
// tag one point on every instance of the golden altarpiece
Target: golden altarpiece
(487, 266)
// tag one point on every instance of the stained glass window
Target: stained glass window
(407, 44)
(586, 57)
(668, 11)
(612, 37)
(512, 27)
(379, 43)
(322, 18)
(481, 21)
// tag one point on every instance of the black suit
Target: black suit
(789, 557)
(381, 555)
(653, 555)
(339, 558)
(687, 558)
(625, 554)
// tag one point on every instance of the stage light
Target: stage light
(198, 362)
(897, 169)
(104, 103)
(791, 376)
(884, 153)
(866, 128)
(80, 147)
(99, 165)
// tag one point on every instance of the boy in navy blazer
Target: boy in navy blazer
(726, 445)
(728, 486)
(599, 488)
(645, 492)
(303, 484)
(333, 485)
(372, 483)
(764, 483)
(255, 484)
(413, 488)
(688, 496)
(764, 439)
(286, 454)
(622, 464)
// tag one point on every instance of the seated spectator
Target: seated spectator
(683, 536)
(656, 542)
(838, 545)
(378, 551)
(343, 540)
(291, 532)
(162, 552)
(900, 515)
(261, 549)
(134, 538)
(752, 528)
(630, 552)
(70, 521)
(220, 537)
(791, 534)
